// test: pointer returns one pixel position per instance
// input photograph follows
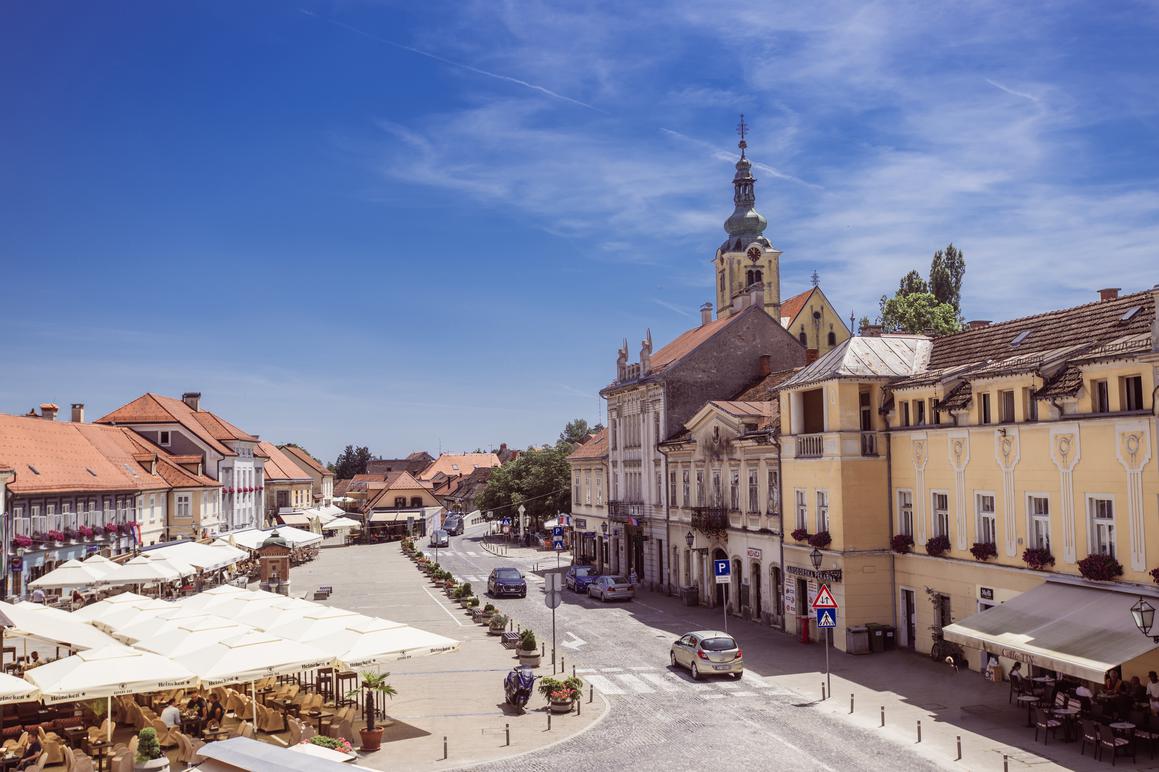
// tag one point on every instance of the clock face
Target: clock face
(754, 253)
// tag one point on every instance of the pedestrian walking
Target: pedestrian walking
(632, 578)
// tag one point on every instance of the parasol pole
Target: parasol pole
(108, 719)
(254, 696)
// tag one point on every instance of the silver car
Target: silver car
(708, 652)
(611, 588)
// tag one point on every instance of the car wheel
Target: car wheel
(672, 656)
(695, 672)
(736, 676)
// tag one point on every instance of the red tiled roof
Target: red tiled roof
(762, 390)
(466, 463)
(279, 467)
(595, 448)
(687, 342)
(157, 409)
(792, 306)
(304, 459)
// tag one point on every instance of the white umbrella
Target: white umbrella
(13, 689)
(341, 523)
(275, 614)
(212, 596)
(240, 606)
(142, 570)
(99, 562)
(37, 623)
(108, 672)
(192, 634)
(71, 573)
(174, 562)
(252, 656)
(94, 610)
(164, 620)
(310, 627)
(374, 648)
(130, 614)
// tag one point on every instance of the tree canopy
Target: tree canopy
(539, 478)
(351, 461)
(575, 432)
(934, 307)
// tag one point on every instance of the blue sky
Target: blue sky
(406, 224)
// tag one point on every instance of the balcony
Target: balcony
(869, 443)
(810, 445)
(710, 518)
(620, 511)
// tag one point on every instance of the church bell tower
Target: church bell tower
(747, 265)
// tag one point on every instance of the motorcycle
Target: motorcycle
(517, 686)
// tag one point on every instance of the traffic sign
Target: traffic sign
(553, 582)
(557, 545)
(553, 599)
(506, 521)
(826, 618)
(824, 599)
(557, 532)
(722, 570)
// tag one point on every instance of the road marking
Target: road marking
(604, 685)
(576, 643)
(472, 554)
(440, 605)
(714, 696)
(653, 608)
(612, 670)
(744, 694)
(585, 670)
(645, 667)
(635, 684)
(665, 684)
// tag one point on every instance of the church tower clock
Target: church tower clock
(746, 260)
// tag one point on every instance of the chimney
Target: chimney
(811, 355)
(192, 399)
(706, 313)
(1110, 293)
(78, 412)
(977, 324)
(870, 330)
(48, 411)
(766, 368)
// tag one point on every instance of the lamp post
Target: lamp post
(689, 539)
(815, 557)
(1144, 616)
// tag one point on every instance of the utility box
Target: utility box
(856, 640)
(876, 637)
(890, 637)
(689, 595)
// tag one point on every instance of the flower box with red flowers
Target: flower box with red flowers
(1101, 568)
(800, 534)
(21, 541)
(1037, 558)
(821, 539)
(984, 550)
(86, 532)
(110, 528)
(901, 543)
(55, 535)
(938, 546)
(126, 529)
(70, 534)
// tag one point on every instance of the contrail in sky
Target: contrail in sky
(452, 63)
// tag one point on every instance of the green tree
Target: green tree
(918, 312)
(947, 270)
(540, 479)
(911, 284)
(351, 461)
(575, 432)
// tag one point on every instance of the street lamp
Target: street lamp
(1144, 614)
(688, 539)
(604, 528)
(815, 557)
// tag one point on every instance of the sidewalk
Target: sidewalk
(910, 687)
(458, 695)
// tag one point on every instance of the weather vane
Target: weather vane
(815, 278)
(742, 128)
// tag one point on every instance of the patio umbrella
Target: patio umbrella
(312, 626)
(53, 628)
(13, 689)
(71, 573)
(240, 606)
(109, 671)
(341, 523)
(192, 634)
(164, 620)
(94, 610)
(179, 566)
(99, 562)
(210, 597)
(276, 614)
(386, 645)
(141, 570)
(128, 614)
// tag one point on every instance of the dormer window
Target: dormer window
(1019, 338)
(164, 439)
(1129, 314)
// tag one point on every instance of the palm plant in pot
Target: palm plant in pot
(528, 649)
(372, 684)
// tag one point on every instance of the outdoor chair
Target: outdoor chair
(297, 731)
(40, 763)
(164, 734)
(1060, 699)
(18, 745)
(187, 748)
(244, 729)
(1108, 739)
(1144, 731)
(81, 762)
(106, 728)
(342, 727)
(1048, 724)
(121, 762)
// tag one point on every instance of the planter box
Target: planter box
(529, 659)
(560, 707)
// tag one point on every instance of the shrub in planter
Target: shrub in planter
(528, 649)
(938, 546)
(497, 624)
(1038, 558)
(821, 539)
(340, 744)
(1155, 575)
(149, 754)
(561, 693)
(901, 543)
(984, 550)
(801, 534)
(457, 591)
(1100, 567)
(467, 590)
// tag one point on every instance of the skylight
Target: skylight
(90, 471)
(1129, 314)
(1019, 338)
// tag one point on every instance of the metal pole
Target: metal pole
(828, 643)
(959, 748)
(553, 640)
(444, 747)
(851, 703)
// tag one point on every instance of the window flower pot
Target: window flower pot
(901, 543)
(821, 539)
(800, 534)
(938, 546)
(1100, 568)
(984, 550)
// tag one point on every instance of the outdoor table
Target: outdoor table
(99, 750)
(190, 724)
(210, 735)
(1029, 700)
(322, 716)
(1068, 716)
(9, 760)
(1122, 726)
(74, 735)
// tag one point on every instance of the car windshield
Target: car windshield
(617, 580)
(506, 573)
(718, 644)
(440, 534)
(583, 571)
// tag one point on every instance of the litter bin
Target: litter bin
(890, 637)
(876, 637)
(689, 595)
(856, 640)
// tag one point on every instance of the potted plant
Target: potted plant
(901, 543)
(1038, 558)
(472, 606)
(528, 650)
(340, 744)
(488, 612)
(468, 591)
(984, 550)
(1101, 568)
(497, 625)
(938, 546)
(455, 591)
(561, 695)
(149, 753)
(372, 684)
(800, 534)
(820, 540)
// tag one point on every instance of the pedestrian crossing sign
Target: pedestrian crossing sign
(557, 545)
(826, 618)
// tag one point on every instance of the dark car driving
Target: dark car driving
(506, 581)
(579, 577)
(453, 525)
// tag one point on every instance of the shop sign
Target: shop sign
(16, 564)
(581, 523)
(986, 593)
(754, 553)
(831, 575)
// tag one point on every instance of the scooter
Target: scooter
(517, 686)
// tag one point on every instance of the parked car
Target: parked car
(708, 652)
(439, 539)
(578, 578)
(611, 588)
(453, 525)
(506, 581)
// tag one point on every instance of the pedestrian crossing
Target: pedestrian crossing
(614, 681)
(474, 579)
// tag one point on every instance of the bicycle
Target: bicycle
(943, 649)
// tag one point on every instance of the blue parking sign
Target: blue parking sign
(557, 532)
(722, 567)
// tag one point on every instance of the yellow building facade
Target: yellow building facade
(953, 475)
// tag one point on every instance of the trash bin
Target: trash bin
(689, 595)
(890, 637)
(856, 640)
(876, 637)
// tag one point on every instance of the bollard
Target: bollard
(510, 625)
(444, 747)
(519, 628)
(573, 671)
(591, 692)
(562, 666)
(959, 748)
(883, 715)
(1005, 763)
(579, 710)
(542, 649)
(919, 731)
(851, 703)
(822, 691)
(549, 720)
(507, 730)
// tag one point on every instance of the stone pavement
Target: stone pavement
(457, 695)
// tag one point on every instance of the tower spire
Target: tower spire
(742, 129)
(746, 223)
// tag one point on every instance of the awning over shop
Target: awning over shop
(1079, 631)
(341, 523)
(300, 519)
(394, 516)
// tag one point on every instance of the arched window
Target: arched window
(802, 338)
(748, 277)
(757, 278)
(832, 338)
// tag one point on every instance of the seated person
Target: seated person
(31, 753)
(216, 712)
(171, 714)
(196, 704)
(1136, 689)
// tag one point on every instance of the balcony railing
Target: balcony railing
(869, 443)
(810, 445)
(620, 511)
(710, 518)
